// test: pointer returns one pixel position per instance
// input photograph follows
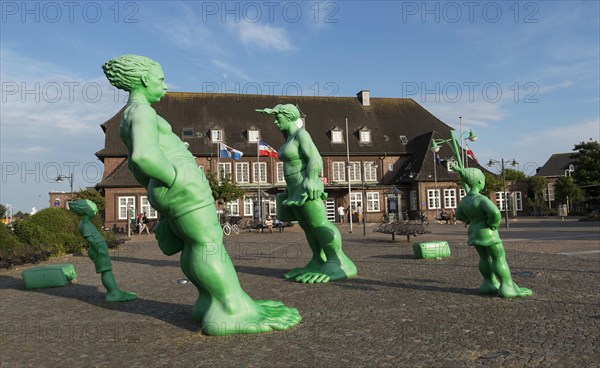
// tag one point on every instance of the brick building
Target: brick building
(388, 142)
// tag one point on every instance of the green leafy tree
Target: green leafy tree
(2, 211)
(587, 163)
(226, 190)
(515, 175)
(535, 189)
(566, 187)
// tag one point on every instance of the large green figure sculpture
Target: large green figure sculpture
(302, 201)
(178, 189)
(98, 251)
(483, 218)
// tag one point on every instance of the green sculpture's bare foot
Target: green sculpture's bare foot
(512, 291)
(256, 316)
(489, 287)
(331, 270)
(312, 266)
(120, 296)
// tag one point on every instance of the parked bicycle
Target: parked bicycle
(231, 226)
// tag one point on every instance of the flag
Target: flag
(438, 160)
(471, 154)
(228, 152)
(265, 150)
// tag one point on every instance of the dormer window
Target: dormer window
(337, 135)
(364, 135)
(253, 134)
(216, 135)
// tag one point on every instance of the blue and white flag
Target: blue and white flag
(228, 152)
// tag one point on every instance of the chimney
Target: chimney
(363, 97)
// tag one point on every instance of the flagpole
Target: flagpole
(348, 172)
(258, 170)
(437, 193)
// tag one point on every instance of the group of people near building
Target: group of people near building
(142, 223)
(357, 215)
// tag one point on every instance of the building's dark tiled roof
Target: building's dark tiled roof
(556, 165)
(387, 118)
(121, 177)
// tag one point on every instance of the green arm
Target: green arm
(492, 214)
(314, 164)
(144, 139)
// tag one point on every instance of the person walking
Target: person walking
(144, 224)
(341, 211)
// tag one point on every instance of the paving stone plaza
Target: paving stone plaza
(398, 312)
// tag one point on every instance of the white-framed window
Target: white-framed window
(373, 202)
(280, 176)
(501, 200)
(336, 136)
(259, 171)
(355, 200)
(518, 200)
(413, 200)
(253, 135)
(338, 170)
(433, 199)
(449, 198)
(272, 204)
(242, 172)
(126, 203)
(365, 136)
(248, 206)
(370, 171)
(147, 208)
(216, 135)
(549, 191)
(354, 171)
(462, 194)
(224, 170)
(233, 208)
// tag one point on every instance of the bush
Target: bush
(13, 252)
(56, 227)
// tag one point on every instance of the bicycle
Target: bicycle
(422, 218)
(231, 226)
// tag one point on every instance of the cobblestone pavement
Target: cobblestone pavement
(398, 312)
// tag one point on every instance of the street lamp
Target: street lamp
(514, 163)
(568, 172)
(60, 179)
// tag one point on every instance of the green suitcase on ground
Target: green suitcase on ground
(432, 249)
(48, 276)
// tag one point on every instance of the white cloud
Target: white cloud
(554, 87)
(475, 114)
(263, 36)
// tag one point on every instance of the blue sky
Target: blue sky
(524, 75)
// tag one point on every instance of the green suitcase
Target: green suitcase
(432, 249)
(49, 276)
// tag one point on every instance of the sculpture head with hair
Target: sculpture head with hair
(83, 207)
(472, 177)
(142, 77)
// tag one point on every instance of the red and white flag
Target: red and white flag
(471, 154)
(264, 150)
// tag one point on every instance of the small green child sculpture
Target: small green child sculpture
(302, 201)
(483, 219)
(98, 251)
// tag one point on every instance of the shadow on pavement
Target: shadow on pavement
(178, 315)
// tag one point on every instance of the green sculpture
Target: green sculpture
(483, 218)
(178, 189)
(98, 251)
(302, 201)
